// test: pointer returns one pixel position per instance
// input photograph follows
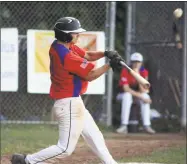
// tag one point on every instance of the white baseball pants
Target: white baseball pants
(74, 120)
(127, 100)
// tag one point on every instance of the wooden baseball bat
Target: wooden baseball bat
(137, 76)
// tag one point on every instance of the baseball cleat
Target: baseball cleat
(149, 130)
(122, 129)
(18, 159)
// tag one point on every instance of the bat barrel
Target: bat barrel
(138, 77)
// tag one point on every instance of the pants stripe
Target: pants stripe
(67, 143)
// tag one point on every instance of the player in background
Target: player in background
(176, 32)
(129, 89)
(71, 70)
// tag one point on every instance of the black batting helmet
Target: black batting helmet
(65, 26)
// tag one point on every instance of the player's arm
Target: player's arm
(125, 84)
(83, 68)
(126, 88)
(145, 76)
(176, 33)
(136, 94)
(94, 55)
(143, 89)
(114, 64)
(88, 55)
(96, 73)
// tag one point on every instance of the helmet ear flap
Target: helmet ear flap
(62, 36)
(69, 37)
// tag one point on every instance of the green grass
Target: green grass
(27, 138)
(30, 138)
(170, 156)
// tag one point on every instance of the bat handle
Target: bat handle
(125, 65)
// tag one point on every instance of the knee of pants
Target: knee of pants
(127, 96)
(145, 95)
(67, 150)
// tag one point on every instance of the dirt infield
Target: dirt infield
(122, 146)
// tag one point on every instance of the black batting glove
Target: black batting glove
(115, 64)
(111, 54)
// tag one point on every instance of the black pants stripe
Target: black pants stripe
(67, 143)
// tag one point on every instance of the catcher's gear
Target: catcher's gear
(18, 159)
(65, 26)
(115, 63)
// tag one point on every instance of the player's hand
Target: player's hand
(111, 54)
(146, 100)
(115, 63)
(179, 45)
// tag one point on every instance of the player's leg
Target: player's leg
(93, 136)
(125, 112)
(70, 114)
(146, 115)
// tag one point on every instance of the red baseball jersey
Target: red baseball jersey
(67, 69)
(127, 78)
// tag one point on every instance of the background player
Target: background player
(129, 89)
(70, 72)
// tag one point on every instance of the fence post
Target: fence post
(111, 41)
(183, 112)
(128, 31)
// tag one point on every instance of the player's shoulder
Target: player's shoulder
(75, 47)
(59, 48)
(78, 50)
(143, 70)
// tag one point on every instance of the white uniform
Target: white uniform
(127, 99)
(74, 120)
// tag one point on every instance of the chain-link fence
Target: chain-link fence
(153, 37)
(21, 105)
(155, 40)
(149, 31)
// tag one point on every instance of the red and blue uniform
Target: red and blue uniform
(68, 68)
(127, 79)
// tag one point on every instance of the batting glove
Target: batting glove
(115, 64)
(111, 54)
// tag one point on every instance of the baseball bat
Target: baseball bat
(138, 77)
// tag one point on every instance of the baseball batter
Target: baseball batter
(70, 70)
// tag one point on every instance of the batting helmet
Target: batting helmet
(65, 26)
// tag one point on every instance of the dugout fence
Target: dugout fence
(149, 31)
